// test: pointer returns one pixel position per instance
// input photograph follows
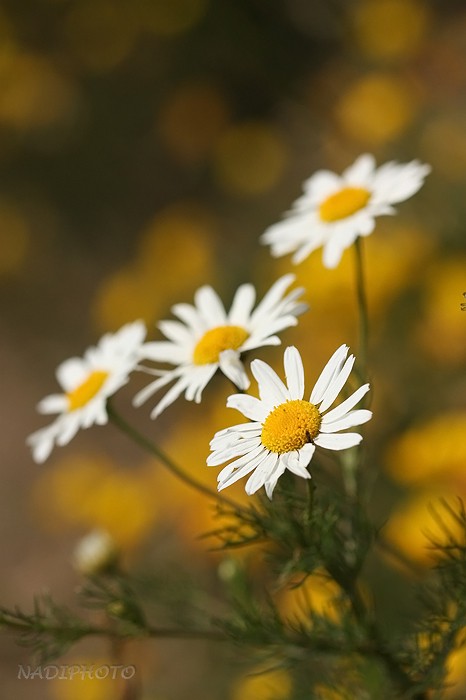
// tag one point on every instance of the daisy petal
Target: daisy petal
(271, 389)
(249, 406)
(347, 421)
(294, 373)
(233, 368)
(210, 306)
(346, 405)
(338, 441)
(328, 373)
(263, 473)
(337, 384)
(242, 305)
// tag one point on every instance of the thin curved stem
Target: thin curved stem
(155, 451)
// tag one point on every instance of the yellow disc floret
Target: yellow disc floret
(290, 425)
(344, 203)
(215, 341)
(86, 391)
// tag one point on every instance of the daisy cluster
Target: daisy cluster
(283, 429)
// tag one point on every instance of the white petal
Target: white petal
(242, 305)
(68, 428)
(72, 373)
(55, 403)
(271, 389)
(262, 473)
(296, 467)
(329, 372)
(361, 171)
(164, 351)
(233, 368)
(346, 405)
(243, 466)
(294, 373)
(271, 298)
(242, 447)
(348, 421)
(171, 395)
(151, 388)
(190, 315)
(273, 478)
(176, 332)
(320, 185)
(333, 251)
(210, 306)
(338, 441)
(249, 406)
(42, 442)
(337, 384)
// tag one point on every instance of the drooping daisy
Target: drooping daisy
(285, 428)
(208, 338)
(87, 383)
(334, 210)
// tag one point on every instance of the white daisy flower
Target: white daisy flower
(285, 428)
(334, 210)
(87, 383)
(208, 338)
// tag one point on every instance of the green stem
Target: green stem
(362, 309)
(155, 451)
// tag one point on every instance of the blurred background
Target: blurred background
(144, 147)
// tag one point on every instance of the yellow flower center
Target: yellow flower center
(344, 203)
(217, 340)
(289, 426)
(86, 391)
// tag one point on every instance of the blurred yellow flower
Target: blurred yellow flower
(262, 684)
(456, 677)
(86, 685)
(317, 593)
(191, 121)
(180, 237)
(376, 108)
(390, 29)
(33, 93)
(91, 492)
(250, 158)
(412, 526)
(412, 459)
(441, 331)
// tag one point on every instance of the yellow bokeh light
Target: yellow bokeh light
(317, 593)
(91, 492)
(191, 121)
(390, 29)
(170, 18)
(456, 674)
(261, 684)
(78, 685)
(436, 449)
(33, 94)
(412, 526)
(442, 328)
(174, 257)
(250, 158)
(376, 108)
